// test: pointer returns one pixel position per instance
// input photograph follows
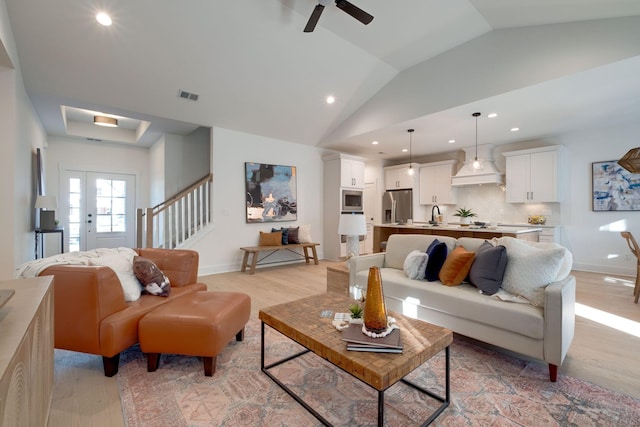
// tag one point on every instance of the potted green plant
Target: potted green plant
(465, 215)
(356, 312)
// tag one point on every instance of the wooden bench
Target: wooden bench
(255, 251)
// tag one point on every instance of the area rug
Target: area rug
(487, 389)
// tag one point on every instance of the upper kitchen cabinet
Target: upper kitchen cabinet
(351, 173)
(435, 183)
(398, 177)
(532, 175)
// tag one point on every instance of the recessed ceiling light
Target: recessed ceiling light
(492, 115)
(452, 141)
(104, 19)
(404, 150)
(105, 121)
(331, 99)
(515, 129)
(374, 142)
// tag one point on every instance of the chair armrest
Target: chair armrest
(83, 297)
(364, 262)
(179, 265)
(559, 319)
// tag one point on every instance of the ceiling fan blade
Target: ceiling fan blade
(313, 19)
(354, 11)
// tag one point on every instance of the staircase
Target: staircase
(170, 223)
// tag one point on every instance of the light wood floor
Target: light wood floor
(601, 354)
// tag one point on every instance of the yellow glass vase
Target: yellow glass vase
(375, 311)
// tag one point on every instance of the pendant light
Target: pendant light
(631, 160)
(476, 162)
(410, 171)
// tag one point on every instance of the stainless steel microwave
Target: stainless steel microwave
(352, 201)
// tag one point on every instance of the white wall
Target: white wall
(594, 237)
(20, 134)
(219, 248)
(156, 172)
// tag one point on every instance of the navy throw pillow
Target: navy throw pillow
(437, 252)
(285, 235)
(488, 268)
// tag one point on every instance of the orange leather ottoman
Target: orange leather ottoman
(200, 324)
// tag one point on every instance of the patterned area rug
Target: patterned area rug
(487, 388)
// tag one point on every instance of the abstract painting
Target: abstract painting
(271, 192)
(614, 188)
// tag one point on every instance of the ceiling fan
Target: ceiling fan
(347, 7)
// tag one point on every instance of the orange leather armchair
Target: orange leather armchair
(91, 314)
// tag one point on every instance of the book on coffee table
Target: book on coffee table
(357, 347)
(358, 341)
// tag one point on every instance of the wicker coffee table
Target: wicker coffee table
(300, 321)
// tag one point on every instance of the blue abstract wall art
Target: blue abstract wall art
(614, 188)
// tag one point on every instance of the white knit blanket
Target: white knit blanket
(34, 268)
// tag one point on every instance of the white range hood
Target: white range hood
(487, 173)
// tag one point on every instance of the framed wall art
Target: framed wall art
(271, 192)
(614, 188)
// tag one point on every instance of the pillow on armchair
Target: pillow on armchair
(150, 277)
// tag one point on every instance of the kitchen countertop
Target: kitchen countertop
(499, 229)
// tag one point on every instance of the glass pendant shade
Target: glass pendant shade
(375, 311)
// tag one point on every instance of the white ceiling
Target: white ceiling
(256, 71)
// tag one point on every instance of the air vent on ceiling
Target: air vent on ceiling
(188, 95)
(94, 139)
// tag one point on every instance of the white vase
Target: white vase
(465, 220)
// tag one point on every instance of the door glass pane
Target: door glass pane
(110, 205)
(74, 214)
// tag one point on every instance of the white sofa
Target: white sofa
(540, 332)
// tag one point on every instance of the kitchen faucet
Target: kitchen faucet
(433, 217)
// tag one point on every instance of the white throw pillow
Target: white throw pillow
(123, 267)
(304, 234)
(530, 268)
(415, 264)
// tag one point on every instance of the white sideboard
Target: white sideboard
(26, 353)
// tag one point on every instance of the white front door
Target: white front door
(100, 210)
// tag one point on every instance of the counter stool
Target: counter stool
(200, 324)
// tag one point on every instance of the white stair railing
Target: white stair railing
(170, 223)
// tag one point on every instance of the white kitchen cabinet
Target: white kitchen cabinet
(550, 234)
(532, 175)
(398, 178)
(339, 169)
(435, 183)
(351, 173)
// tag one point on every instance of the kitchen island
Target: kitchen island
(382, 232)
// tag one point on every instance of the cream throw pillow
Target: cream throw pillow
(530, 268)
(415, 264)
(304, 234)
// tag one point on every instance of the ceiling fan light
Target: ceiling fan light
(105, 121)
(631, 160)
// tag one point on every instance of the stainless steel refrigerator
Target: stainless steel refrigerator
(397, 206)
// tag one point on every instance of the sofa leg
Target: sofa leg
(110, 365)
(153, 360)
(240, 335)
(209, 366)
(553, 373)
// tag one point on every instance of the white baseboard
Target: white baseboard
(621, 271)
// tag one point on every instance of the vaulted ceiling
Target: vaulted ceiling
(546, 66)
